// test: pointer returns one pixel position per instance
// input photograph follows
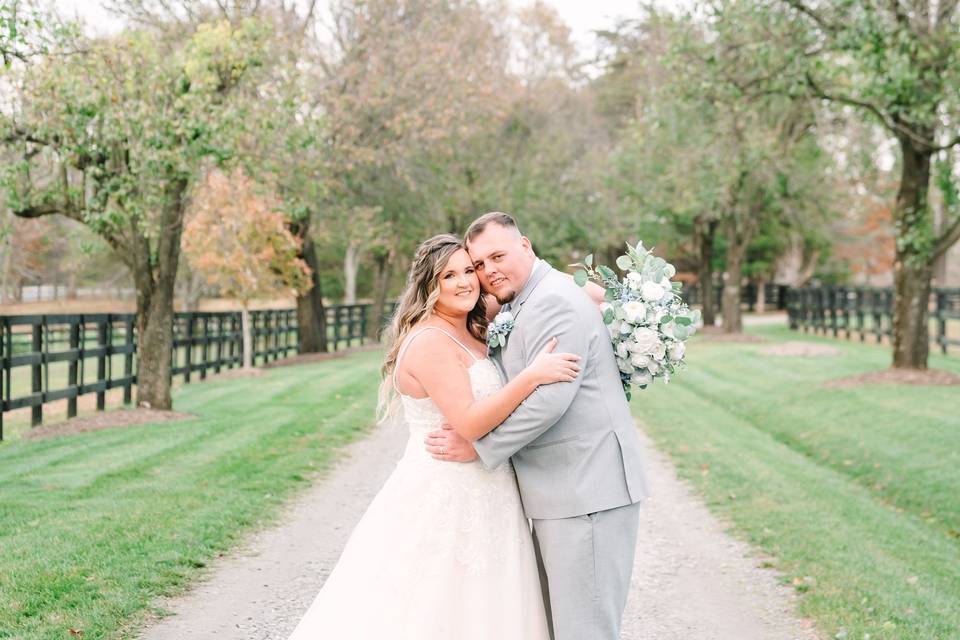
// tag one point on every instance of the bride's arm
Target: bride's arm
(593, 290)
(446, 381)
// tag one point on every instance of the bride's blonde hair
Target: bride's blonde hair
(417, 303)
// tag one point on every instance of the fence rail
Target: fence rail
(49, 357)
(869, 311)
(774, 296)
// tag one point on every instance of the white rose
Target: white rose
(667, 329)
(503, 316)
(659, 351)
(634, 310)
(669, 271)
(653, 367)
(646, 340)
(626, 328)
(624, 365)
(651, 291)
(614, 327)
(640, 360)
(634, 280)
(641, 378)
(622, 351)
(677, 350)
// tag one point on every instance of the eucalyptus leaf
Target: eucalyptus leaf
(607, 272)
(608, 316)
(625, 262)
(588, 260)
(580, 277)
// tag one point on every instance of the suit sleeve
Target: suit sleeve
(547, 404)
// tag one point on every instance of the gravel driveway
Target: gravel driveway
(691, 580)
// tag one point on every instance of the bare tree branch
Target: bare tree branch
(947, 239)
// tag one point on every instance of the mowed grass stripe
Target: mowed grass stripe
(739, 426)
(91, 540)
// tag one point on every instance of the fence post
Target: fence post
(72, 367)
(4, 370)
(36, 411)
(204, 347)
(942, 321)
(219, 343)
(102, 363)
(188, 347)
(128, 360)
(364, 318)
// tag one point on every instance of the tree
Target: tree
(898, 63)
(404, 82)
(114, 139)
(237, 237)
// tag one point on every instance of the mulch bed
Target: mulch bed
(801, 349)
(103, 420)
(930, 377)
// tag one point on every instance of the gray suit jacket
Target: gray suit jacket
(573, 444)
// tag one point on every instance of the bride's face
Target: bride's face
(458, 285)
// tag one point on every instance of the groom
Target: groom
(573, 444)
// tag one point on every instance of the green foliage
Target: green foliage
(125, 121)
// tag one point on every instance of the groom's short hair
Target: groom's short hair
(497, 217)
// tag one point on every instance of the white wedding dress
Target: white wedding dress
(444, 551)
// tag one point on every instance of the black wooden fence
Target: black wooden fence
(775, 296)
(50, 357)
(868, 311)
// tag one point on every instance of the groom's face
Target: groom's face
(503, 260)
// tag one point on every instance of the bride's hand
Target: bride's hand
(549, 367)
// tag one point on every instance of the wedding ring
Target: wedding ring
(443, 451)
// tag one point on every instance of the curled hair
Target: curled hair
(417, 303)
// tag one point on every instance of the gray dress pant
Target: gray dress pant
(585, 564)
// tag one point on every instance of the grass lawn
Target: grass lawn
(94, 526)
(853, 491)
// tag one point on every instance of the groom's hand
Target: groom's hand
(448, 445)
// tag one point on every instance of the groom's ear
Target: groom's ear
(527, 245)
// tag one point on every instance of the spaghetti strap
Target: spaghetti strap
(409, 339)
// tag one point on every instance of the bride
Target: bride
(444, 550)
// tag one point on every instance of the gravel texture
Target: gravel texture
(691, 579)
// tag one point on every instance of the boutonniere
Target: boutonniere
(498, 329)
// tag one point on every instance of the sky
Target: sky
(583, 16)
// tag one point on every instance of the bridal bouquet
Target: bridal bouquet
(647, 320)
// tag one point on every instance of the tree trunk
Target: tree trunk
(72, 285)
(247, 337)
(705, 230)
(384, 264)
(351, 264)
(761, 305)
(311, 315)
(155, 300)
(154, 343)
(913, 266)
(732, 278)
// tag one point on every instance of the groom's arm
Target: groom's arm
(555, 316)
